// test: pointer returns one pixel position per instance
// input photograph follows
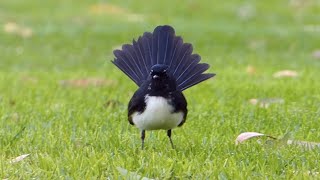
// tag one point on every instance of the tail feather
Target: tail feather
(132, 58)
(162, 43)
(178, 42)
(195, 80)
(139, 50)
(195, 71)
(161, 47)
(124, 67)
(123, 59)
(185, 53)
(146, 42)
(187, 68)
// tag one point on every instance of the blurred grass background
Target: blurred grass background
(64, 102)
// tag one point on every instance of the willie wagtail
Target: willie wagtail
(162, 66)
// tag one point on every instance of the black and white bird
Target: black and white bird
(162, 66)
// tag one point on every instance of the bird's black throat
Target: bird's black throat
(161, 87)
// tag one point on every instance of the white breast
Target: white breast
(158, 114)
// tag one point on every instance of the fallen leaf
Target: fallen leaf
(316, 54)
(16, 29)
(254, 101)
(104, 8)
(299, 4)
(11, 27)
(19, 158)
(265, 103)
(284, 140)
(285, 73)
(25, 32)
(86, 82)
(248, 135)
(131, 175)
(251, 70)
(110, 9)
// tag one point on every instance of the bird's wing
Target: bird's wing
(136, 103)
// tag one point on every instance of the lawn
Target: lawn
(64, 103)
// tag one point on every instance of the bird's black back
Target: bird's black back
(161, 47)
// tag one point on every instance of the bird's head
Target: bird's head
(161, 80)
(159, 72)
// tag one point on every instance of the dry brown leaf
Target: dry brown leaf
(25, 32)
(316, 54)
(251, 70)
(305, 144)
(19, 158)
(253, 101)
(247, 135)
(11, 27)
(265, 103)
(86, 82)
(298, 4)
(104, 8)
(16, 29)
(285, 73)
(110, 9)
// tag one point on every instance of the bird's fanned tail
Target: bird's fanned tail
(161, 47)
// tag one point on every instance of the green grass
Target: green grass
(83, 133)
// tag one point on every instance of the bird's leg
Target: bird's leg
(143, 135)
(169, 135)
